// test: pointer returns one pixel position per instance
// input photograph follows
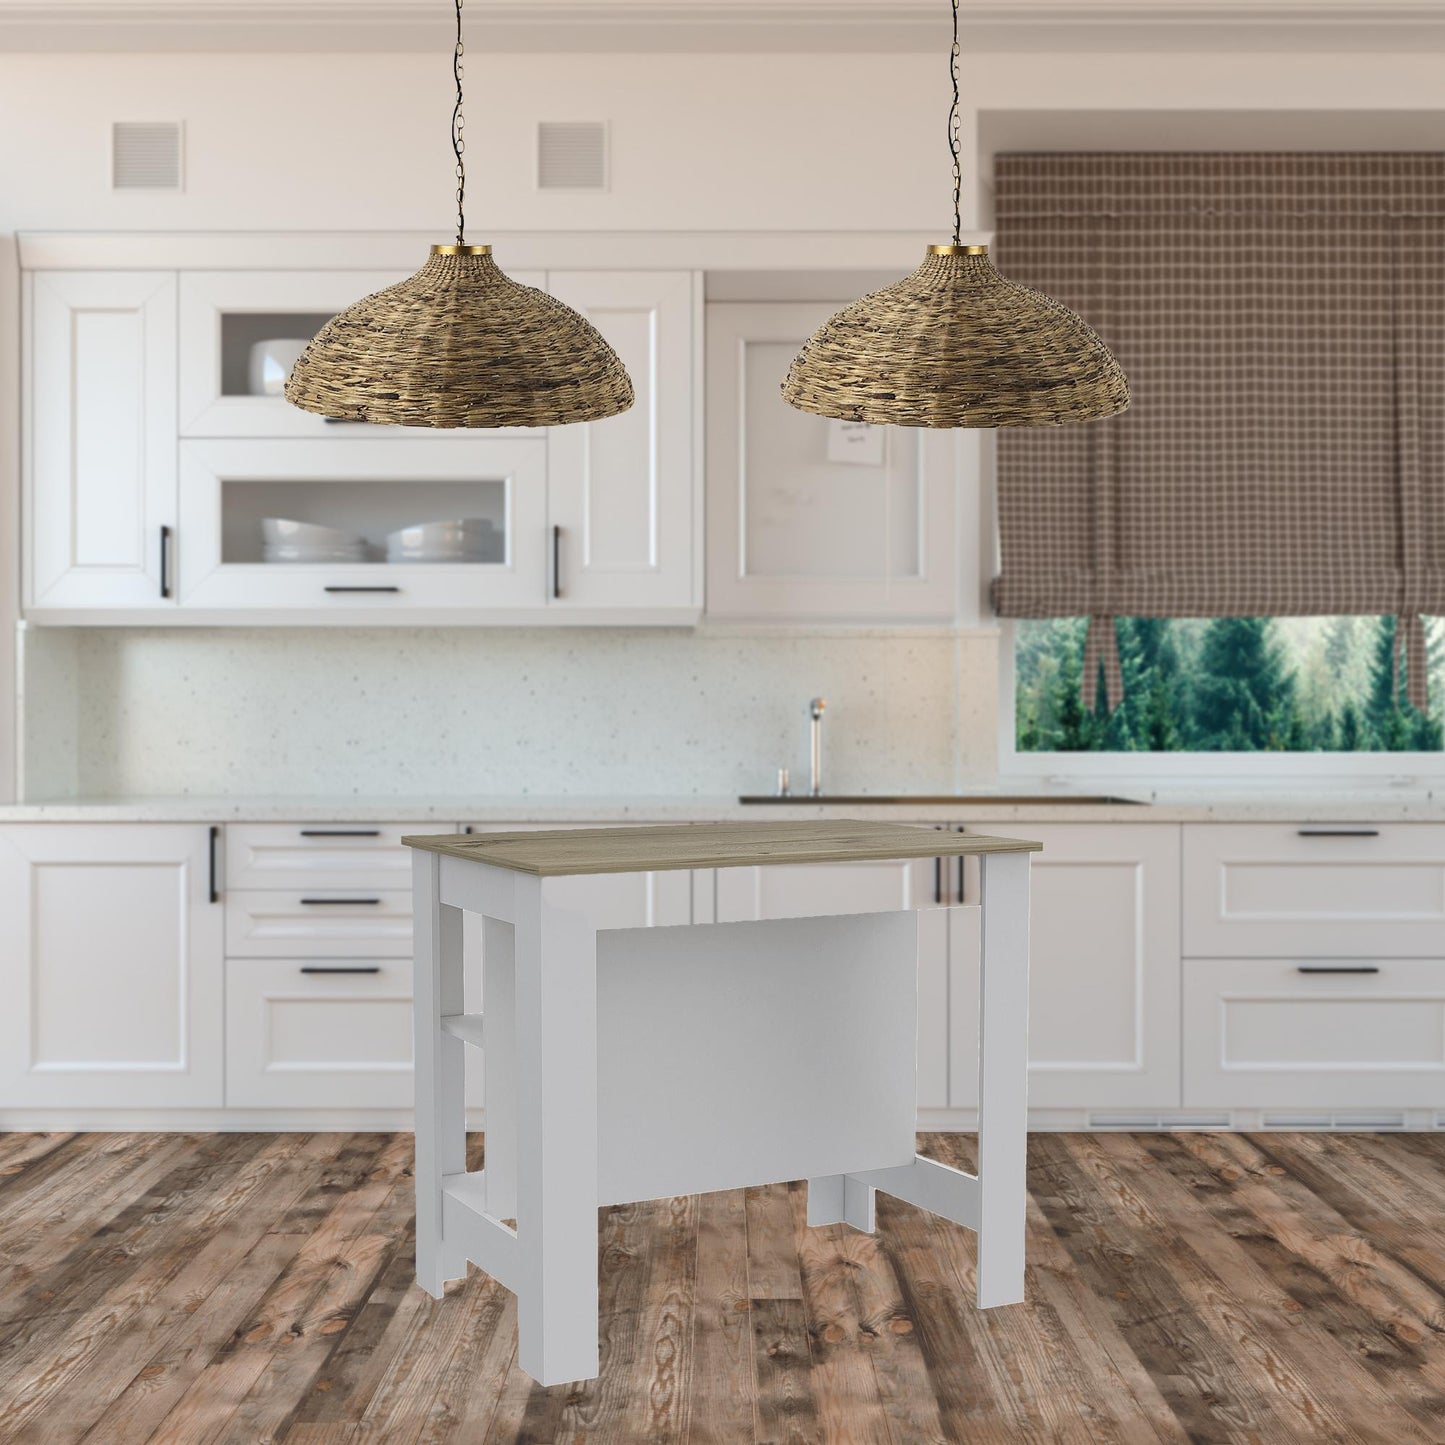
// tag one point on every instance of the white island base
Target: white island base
(640, 1063)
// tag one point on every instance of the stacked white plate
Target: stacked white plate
(469, 539)
(288, 541)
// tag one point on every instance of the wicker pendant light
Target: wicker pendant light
(956, 345)
(460, 344)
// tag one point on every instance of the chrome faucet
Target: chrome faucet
(815, 714)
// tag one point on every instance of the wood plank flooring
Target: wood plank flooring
(1192, 1287)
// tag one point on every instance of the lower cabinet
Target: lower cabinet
(1103, 970)
(111, 970)
(797, 890)
(318, 1034)
(1322, 1034)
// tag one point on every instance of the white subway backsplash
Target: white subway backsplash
(585, 712)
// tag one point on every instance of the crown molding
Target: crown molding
(722, 25)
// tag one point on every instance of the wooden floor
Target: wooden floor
(254, 1288)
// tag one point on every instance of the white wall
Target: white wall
(722, 142)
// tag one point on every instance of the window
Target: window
(1227, 685)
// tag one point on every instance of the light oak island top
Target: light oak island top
(560, 852)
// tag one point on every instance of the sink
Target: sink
(949, 800)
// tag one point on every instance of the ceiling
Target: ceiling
(723, 25)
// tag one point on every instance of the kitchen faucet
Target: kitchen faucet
(815, 714)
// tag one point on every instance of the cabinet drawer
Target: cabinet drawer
(1261, 1033)
(1264, 890)
(321, 855)
(320, 1039)
(322, 923)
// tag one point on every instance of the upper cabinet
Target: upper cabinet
(240, 329)
(810, 518)
(161, 455)
(100, 439)
(624, 491)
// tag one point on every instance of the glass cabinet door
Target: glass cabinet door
(240, 332)
(438, 524)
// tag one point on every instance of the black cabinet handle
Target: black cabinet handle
(1339, 832)
(938, 880)
(215, 886)
(165, 562)
(556, 563)
(1337, 968)
(310, 968)
(363, 589)
(341, 902)
(341, 832)
(959, 899)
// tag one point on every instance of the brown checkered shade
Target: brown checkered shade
(1282, 322)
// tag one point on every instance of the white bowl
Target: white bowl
(271, 363)
(467, 539)
(282, 530)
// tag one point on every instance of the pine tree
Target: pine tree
(1243, 696)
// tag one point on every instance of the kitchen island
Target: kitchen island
(636, 1063)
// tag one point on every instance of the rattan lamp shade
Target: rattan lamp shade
(956, 345)
(460, 344)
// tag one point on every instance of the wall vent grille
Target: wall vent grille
(145, 155)
(571, 155)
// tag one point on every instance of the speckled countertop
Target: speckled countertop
(1414, 804)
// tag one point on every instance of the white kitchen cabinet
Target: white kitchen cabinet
(1330, 890)
(229, 487)
(99, 434)
(320, 923)
(112, 967)
(624, 493)
(223, 314)
(810, 518)
(327, 856)
(1103, 973)
(1348, 1034)
(319, 1034)
(802, 890)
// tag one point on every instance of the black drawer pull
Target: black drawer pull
(311, 969)
(363, 589)
(938, 880)
(1339, 832)
(341, 902)
(165, 562)
(341, 832)
(1337, 968)
(215, 886)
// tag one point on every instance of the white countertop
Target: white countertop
(1322, 805)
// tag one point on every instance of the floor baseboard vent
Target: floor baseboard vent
(1157, 1122)
(1386, 1119)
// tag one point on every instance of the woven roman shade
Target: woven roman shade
(1282, 322)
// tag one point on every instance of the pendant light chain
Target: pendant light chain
(459, 143)
(955, 137)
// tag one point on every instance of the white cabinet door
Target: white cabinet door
(229, 488)
(112, 967)
(303, 1033)
(810, 518)
(1356, 1033)
(1104, 972)
(1333, 890)
(624, 492)
(101, 439)
(224, 314)
(801, 890)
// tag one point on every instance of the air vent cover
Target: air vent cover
(145, 155)
(571, 155)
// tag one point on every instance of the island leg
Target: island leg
(441, 1126)
(1003, 1119)
(556, 1108)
